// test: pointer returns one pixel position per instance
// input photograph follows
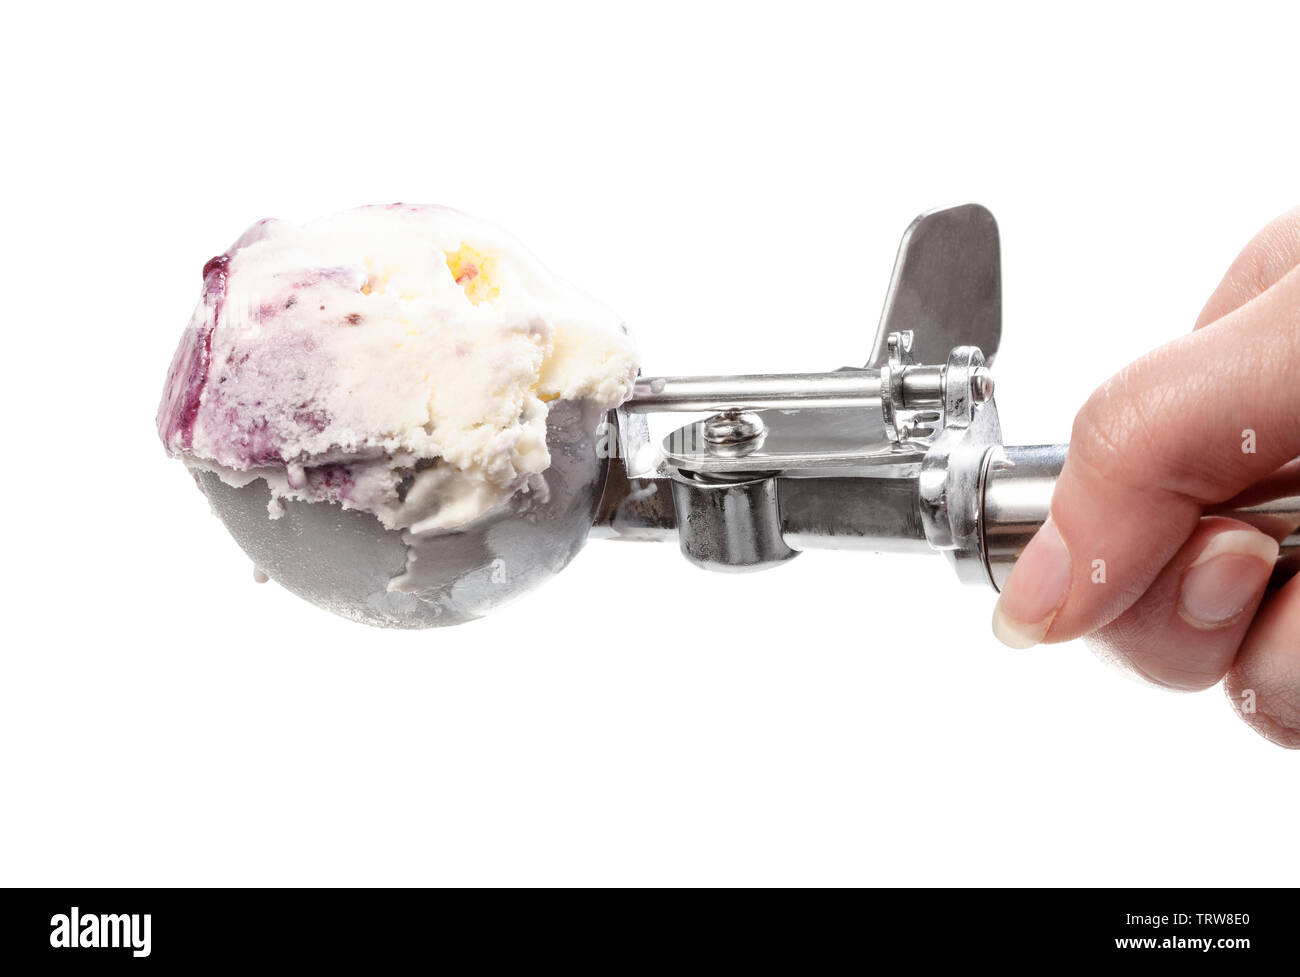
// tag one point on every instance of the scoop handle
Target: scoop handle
(1017, 497)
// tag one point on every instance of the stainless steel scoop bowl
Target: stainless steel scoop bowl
(344, 560)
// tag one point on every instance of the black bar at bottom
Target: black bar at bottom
(384, 930)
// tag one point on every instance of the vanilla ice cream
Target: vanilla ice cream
(399, 360)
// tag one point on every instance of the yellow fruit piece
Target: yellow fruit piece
(475, 273)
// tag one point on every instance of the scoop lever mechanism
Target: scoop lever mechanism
(903, 453)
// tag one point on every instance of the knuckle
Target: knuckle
(1139, 648)
(1272, 253)
(1277, 714)
(1139, 431)
(1111, 433)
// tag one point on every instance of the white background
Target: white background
(734, 180)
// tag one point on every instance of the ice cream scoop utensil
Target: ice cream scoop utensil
(903, 453)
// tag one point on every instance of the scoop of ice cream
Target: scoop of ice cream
(399, 360)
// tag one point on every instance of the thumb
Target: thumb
(1272, 253)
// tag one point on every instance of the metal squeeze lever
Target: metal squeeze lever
(904, 453)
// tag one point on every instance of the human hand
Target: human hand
(1182, 596)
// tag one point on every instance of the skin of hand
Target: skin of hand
(1181, 597)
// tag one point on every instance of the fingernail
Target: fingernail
(1035, 590)
(1227, 576)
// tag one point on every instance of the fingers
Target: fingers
(1190, 425)
(1184, 632)
(1264, 683)
(1272, 253)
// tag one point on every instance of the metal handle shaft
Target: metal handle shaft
(1018, 494)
